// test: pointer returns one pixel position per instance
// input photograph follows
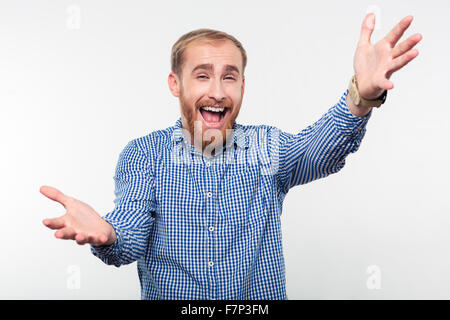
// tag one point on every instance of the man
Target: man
(198, 204)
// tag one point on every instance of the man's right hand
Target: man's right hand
(80, 223)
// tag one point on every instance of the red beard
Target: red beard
(208, 136)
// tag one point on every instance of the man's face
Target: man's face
(210, 91)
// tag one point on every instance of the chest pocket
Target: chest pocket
(241, 199)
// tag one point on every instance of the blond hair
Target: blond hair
(204, 35)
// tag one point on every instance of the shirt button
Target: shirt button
(209, 194)
(208, 164)
(210, 263)
(211, 229)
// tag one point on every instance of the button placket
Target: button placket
(210, 202)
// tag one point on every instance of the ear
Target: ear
(174, 84)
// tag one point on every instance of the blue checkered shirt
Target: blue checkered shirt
(209, 228)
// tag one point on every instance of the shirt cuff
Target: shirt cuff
(111, 251)
(345, 121)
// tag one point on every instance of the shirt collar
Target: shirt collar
(239, 137)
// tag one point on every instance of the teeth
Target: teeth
(213, 109)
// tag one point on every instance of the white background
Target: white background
(72, 96)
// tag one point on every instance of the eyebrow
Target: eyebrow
(210, 67)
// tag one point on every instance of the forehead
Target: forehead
(218, 53)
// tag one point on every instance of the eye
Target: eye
(206, 77)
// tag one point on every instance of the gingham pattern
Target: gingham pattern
(213, 231)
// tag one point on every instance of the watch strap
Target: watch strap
(360, 101)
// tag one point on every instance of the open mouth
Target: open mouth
(214, 116)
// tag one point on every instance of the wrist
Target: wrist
(358, 111)
(361, 102)
(112, 236)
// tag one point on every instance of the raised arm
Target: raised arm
(321, 148)
(318, 150)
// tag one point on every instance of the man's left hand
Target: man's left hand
(374, 64)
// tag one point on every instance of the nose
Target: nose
(216, 91)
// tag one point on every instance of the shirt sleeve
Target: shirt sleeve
(132, 217)
(320, 149)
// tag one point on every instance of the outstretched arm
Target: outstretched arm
(321, 148)
(121, 236)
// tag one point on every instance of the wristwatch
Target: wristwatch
(360, 101)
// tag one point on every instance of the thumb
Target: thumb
(54, 194)
(367, 28)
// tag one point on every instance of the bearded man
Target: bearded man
(198, 204)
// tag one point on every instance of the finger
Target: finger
(406, 45)
(103, 239)
(54, 194)
(402, 61)
(97, 240)
(367, 28)
(55, 223)
(66, 233)
(80, 238)
(386, 84)
(93, 239)
(396, 33)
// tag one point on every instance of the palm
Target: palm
(375, 63)
(81, 222)
(81, 217)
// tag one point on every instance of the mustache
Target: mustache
(225, 104)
